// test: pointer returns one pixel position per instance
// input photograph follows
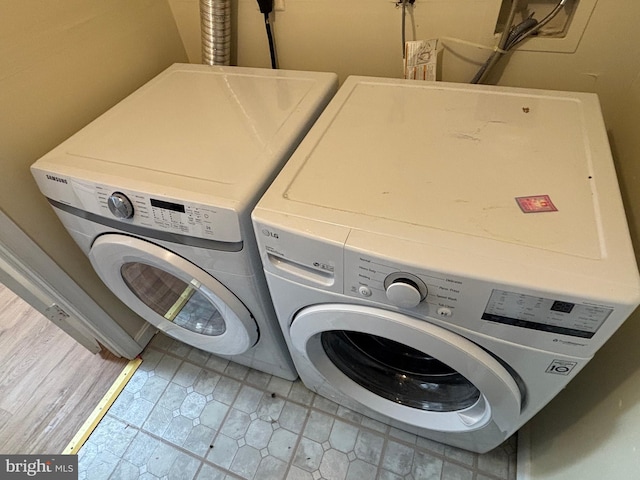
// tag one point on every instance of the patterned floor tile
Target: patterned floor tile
(186, 414)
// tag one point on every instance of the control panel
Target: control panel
(141, 209)
(161, 213)
(425, 293)
(474, 304)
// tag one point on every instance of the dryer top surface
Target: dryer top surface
(231, 127)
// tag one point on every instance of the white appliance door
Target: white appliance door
(174, 295)
(407, 369)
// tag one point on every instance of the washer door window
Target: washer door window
(174, 295)
(399, 373)
(406, 369)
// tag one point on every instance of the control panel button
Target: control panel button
(364, 291)
(405, 290)
(444, 312)
(119, 205)
(403, 294)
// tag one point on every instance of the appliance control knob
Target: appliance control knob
(405, 290)
(119, 205)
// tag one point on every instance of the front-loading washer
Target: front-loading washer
(445, 258)
(158, 193)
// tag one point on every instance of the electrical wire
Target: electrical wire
(404, 4)
(495, 56)
(538, 25)
(272, 48)
(266, 7)
(404, 11)
(513, 35)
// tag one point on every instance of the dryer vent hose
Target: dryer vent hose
(215, 28)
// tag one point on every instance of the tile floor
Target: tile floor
(186, 414)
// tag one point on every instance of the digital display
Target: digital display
(564, 307)
(174, 207)
(545, 314)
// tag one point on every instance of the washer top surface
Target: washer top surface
(229, 127)
(459, 159)
(516, 185)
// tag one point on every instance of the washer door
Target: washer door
(406, 369)
(174, 295)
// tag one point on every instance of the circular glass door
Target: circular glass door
(185, 304)
(404, 368)
(174, 295)
(399, 373)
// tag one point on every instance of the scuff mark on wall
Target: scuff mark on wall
(593, 76)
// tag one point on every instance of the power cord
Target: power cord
(403, 4)
(266, 7)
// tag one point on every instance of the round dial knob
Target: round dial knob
(405, 290)
(120, 205)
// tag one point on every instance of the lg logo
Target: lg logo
(269, 233)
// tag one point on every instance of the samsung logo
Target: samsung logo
(57, 179)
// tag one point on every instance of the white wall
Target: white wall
(61, 65)
(357, 37)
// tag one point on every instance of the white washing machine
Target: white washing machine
(445, 258)
(158, 193)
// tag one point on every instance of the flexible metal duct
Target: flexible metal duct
(215, 28)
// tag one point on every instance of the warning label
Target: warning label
(536, 204)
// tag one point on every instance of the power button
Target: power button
(364, 291)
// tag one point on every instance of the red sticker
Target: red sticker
(535, 204)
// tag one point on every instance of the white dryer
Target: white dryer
(158, 193)
(445, 258)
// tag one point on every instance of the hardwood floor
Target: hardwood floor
(49, 384)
